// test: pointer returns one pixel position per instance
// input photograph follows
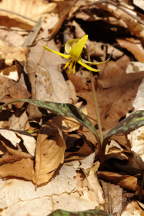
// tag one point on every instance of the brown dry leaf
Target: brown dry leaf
(11, 90)
(116, 91)
(49, 156)
(114, 103)
(23, 13)
(114, 73)
(11, 79)
(125, 181)
(20, 169)
(133, 46)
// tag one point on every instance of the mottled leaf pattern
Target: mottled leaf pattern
(132, 122)
(63, 109)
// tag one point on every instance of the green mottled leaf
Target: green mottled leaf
(95, 212)
(63, 109)
(132, 122)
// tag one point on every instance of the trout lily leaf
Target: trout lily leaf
(73, 51)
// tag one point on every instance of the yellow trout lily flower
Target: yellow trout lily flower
(73, 51)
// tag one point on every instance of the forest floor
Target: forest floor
(72, 107)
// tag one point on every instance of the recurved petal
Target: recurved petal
(66, 56)
(87, 66)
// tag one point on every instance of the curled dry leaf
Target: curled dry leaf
(49, 156)
(30, 11)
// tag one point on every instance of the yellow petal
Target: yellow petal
(67, 64)
(77, 47)
(56, 52)
(87, 66)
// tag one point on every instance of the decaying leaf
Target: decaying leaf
(49, 156)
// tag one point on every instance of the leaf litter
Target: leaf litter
(50, 157)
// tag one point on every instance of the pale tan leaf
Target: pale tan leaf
(49, 156)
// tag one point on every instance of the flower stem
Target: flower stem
(97, 111)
